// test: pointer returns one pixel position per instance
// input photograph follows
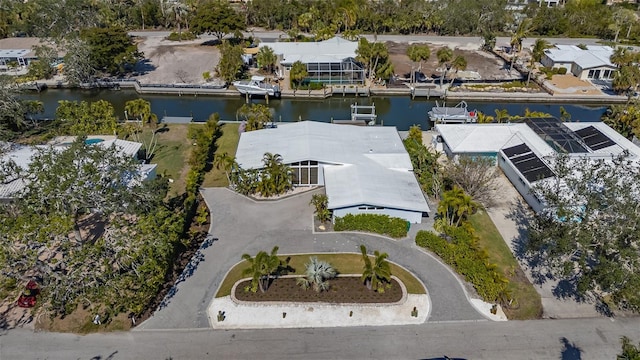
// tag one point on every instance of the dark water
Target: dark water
(399, 111)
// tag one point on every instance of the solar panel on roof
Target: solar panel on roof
(594, 138)
(516, 150)
(528, 163)
(556, 134)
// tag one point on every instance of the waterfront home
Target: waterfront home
(526, 151)
(328, 62)
(364, 169)
(592, 62)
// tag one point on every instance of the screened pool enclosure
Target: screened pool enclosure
(348, 71)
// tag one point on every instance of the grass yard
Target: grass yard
(344, 263)
(171, 156)
(228, 143)
(529, 305)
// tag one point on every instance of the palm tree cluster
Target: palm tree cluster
(454, 208)
(376, 274)
(321, 204)
(627, 77)
(317, 275)
(275, 177)
(262, 268)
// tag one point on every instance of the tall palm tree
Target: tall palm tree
(419, 53)
(375, 274)
(179, 11)
(456, 206)
(444, 55)
(521, 33)
(501, 115)
(458, 63)
(537, 52)
(262, 268)
(317, 274)
(226, 163)
(140, 110)
(267, 58)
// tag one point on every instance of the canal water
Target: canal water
(399, 111)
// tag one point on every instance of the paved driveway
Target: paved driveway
(240, 225)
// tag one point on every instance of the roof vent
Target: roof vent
(370, 150)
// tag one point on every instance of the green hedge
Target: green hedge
(462, 253)
(186, 35)
(379, 224)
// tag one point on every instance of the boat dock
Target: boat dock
(458, 114)
(366, 118)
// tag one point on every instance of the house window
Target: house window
(305, 173)
(590, 74)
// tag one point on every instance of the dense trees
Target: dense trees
(82, 117)
(111, 50)
(230, 66)
(375, 57)
(77, 190)
(625, 119)
(588, 236)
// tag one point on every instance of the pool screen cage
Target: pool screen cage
(348, 71)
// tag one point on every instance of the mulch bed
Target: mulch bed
(348, 290)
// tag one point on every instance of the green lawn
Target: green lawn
(344, 263)
(228, 143)
(529, 305)
(171, 156)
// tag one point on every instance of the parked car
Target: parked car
(29, 295)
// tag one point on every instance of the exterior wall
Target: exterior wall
(546, 61)
(519, 182)
(414, 217)
(599, 73)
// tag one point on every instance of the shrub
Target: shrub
(468, 259)
(562, 71)
(375, 223)
(186, 35)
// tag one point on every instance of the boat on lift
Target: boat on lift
(458, 114)
(257, 86)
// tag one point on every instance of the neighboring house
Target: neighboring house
(364, 169)
(21, 155)
(525, 151)
(328, 62)
(18, 50)
(593, 63)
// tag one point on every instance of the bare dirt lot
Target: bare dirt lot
(480, 64)
(172, 62)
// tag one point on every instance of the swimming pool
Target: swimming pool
(93, 141)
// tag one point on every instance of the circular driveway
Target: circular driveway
(240, 225)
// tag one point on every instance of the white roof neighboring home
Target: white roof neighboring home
(332, 50)
(591, 57)
(362, 165)
(21, 156)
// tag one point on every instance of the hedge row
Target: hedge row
(461, 251)
(375, 223)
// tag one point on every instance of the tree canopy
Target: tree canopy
(111, 49)
(218, 18)
(589, 233)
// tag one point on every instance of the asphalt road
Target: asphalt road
(452, 41)
(543, 339)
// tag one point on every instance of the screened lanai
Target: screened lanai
(348, 71)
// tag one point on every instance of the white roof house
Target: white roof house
(332, 50)
(526, 151)
(364, 169)
(589, 63)
(21, 156)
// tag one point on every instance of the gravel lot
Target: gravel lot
(173, 62)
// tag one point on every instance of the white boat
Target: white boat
(257, 86)
(458, 114)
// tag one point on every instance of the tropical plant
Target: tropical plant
(140, 110)
(218, 18)
(255, 116)
(317, 275)
(226, 163)
(298, 73)
(415, 134)
(458, 63)
(376, 274)
(476, 175)
(375, 57)
(455, 207)
(266, 58)
(629, 350)
(275, 176)
(419, 53)
(321, 204)
(230, 66)
(444, 55)
(262, 268)
(537, 52)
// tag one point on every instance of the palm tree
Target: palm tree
(226, 163)
(262, 268)
(629, 350)
(179, 10)
(458, 63)
(375, 274)
(537, 52)
(456, 206)
(501, 115)
(266, 58)
(317, 274)
(140, 110)
(444, 55)
(418, 53)
(298, 73)
(520, 34)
